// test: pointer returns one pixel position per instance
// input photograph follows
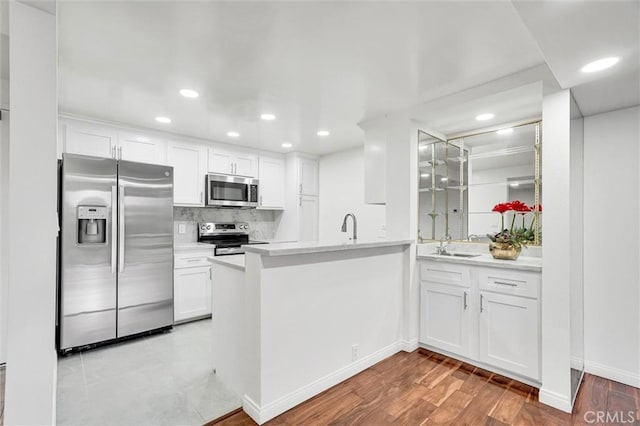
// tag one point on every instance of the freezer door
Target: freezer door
(87, 292)
(145, 249)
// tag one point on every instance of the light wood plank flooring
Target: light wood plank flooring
(424, 388)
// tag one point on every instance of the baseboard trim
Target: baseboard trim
(555, 400)
(409, 345)
(612, 373)
(263, 414)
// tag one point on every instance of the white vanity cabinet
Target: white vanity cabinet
(191, 285)
(444, 300)
(486, 315)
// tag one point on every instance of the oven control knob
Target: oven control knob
(208, 227)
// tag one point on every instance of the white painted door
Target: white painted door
(88, 139)
(509, 333)
(445, 317)
(192, 293)
(307, 218)
(140, 148)
(220, 161)
(246, 165)
(308, 177)
(271, 179)
(188, 173)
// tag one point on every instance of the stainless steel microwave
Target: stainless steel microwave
(231, 191)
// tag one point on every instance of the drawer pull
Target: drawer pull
(506, 283)
(194, 260)
(481, 303)
(465, 301)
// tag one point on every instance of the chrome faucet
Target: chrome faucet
(355, 225)
(444, 243)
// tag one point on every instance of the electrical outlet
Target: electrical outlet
(182, 228)
(354, 352)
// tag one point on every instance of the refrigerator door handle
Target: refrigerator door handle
(114, 228)
(121, 230)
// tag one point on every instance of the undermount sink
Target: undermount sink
(458, 254)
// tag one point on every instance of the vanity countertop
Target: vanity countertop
(524, 263)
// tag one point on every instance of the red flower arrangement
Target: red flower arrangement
(514, 236)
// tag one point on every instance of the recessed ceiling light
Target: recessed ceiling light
(323, 133)
(423, 147)
(424, 175)
(143, 139)
(286, 145)
(267, 116)
(484, 117)
(600, 64)
(514, 184)
(505, 131)
(233, 134)
(444, 179)
(189, 93)
(165, 120)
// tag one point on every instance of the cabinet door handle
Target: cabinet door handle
(465, 301)
(210, 274)
(505, 283)
(120, 153)
(481, 303)
(113, 152)
(261, 200)
(201, 197)
(300, 201)
(300, 188)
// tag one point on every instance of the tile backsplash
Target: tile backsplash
(262, 223)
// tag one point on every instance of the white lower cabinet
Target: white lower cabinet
(444, 317)
(487, 315)
(191, 287)
(509, 333)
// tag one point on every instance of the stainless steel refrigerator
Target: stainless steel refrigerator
(116, 249)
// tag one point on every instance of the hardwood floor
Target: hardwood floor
(425, 388)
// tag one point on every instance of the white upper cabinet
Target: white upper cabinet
(188, 161)
(232, 163)
(271, 179)
(89, 139)
(308, 177)
(141, 148)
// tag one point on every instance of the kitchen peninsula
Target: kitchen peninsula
(302, 317)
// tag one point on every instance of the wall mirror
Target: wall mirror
(461, 179)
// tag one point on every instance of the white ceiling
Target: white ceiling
(314, 64)
(331, 64)
(573, 33)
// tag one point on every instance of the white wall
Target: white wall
(31, 357)
(341, 192)
(611, 245)
(556, 268)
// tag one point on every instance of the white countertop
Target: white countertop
(235, 261)
(284, 249)
(524, 263)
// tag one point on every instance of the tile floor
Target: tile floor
(164, 379)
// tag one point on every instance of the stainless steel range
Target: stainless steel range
(227, 237)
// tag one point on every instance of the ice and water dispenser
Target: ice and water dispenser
(92, 224)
